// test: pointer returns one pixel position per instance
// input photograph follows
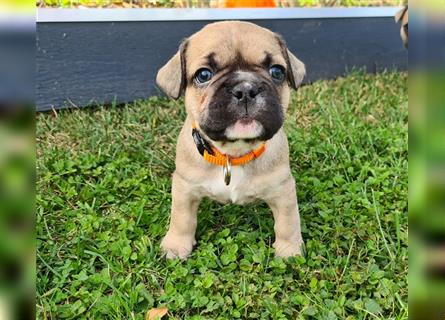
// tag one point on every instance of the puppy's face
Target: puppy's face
(236, 78)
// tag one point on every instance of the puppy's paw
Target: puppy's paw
(286, 249)
(177, 246)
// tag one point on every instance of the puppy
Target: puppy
(402, 17)
(236, 78)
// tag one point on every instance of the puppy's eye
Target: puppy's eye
(277, 72)
(203, 75)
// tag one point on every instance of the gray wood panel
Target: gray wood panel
(85, 63)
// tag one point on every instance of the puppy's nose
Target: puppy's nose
(245, 91)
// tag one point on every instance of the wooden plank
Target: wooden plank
(84, 63)
(205, 14)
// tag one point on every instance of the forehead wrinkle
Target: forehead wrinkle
(232, 51)
(213, 55)
(267, 59)
(260, 54)
(278, 58)
(211, 61)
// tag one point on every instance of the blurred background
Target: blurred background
(214, 3)
(17, 165)
(427, 160)
(426, 143)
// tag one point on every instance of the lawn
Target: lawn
(103, 202)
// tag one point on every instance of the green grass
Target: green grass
(103, 202)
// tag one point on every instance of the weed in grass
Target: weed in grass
(103, 196)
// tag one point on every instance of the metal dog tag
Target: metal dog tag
(227, 171)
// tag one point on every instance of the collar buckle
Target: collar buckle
(227, 171)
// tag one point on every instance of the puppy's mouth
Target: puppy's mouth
(245, 106)
(244, 129)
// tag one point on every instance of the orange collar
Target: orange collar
(214, 156)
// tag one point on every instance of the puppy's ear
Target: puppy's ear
(400, 14)
(172, 77)
(296, 70)
(402, 17)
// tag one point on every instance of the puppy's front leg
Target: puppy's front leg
(180, 237)
(284, 206)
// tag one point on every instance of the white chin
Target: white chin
(244, 130)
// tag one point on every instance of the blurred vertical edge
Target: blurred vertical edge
(427, 160)
(17, 61)
(17, 160)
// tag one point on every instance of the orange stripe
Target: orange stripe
(219, 159)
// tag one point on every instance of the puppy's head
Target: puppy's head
(236, 78)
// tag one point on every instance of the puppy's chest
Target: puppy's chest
(241, 189)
